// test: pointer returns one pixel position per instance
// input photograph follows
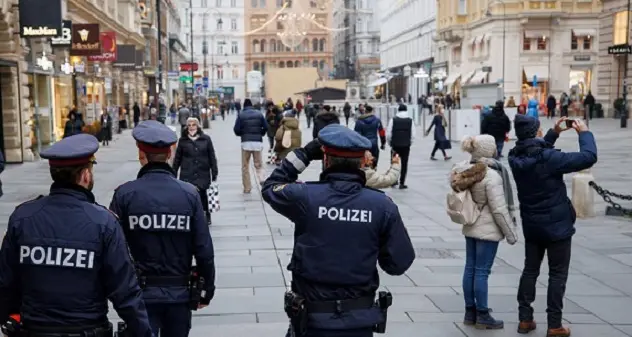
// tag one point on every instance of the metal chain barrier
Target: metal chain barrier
(608, 196)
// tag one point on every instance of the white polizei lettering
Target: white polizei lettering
(188, 226)
(169, 222)
(57, 256)
(145, 221)
(172, 219)
(133, 221)
(343, 214)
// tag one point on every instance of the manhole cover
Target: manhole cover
(434, 253)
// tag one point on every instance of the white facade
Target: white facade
(225, 60)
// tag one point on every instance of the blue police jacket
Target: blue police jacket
(66, 256)
(165, 226)
(250, 125)
(343, 230)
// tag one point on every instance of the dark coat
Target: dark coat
(73, 127)
(496, 124)
(369, 126)
(323, 119)
(196, 160)
(106, 127)
(439, 129)
(250, 125)
(538, 169)
(2, 162)
(551, 103)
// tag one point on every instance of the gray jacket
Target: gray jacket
(183, 114)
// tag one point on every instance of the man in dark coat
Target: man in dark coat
(323, 119)
(548, 217)
(497, 124)
(370, 126)
(346, 109)
(136, 113)
(589, 105)
(250, 126)
(551, 104)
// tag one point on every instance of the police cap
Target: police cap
(154, 137)
(72, 151)
(340, 141)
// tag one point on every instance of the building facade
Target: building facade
(613, 23)
(40, 83)
(217, 38)
(176, 54)
(265, 31)
(406, 39)
(533, 48)
(356, 53)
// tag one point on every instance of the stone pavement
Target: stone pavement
(253, 245)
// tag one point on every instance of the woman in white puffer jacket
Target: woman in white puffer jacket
(483, 176)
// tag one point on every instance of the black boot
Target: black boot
(470, 316)
(485, 321)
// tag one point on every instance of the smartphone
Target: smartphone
(569, 123)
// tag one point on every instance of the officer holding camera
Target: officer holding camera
(335, 278)
(64, 256)
(165, 226)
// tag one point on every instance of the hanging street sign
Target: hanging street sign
(44, 63)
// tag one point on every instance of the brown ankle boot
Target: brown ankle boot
(526, 327)
(559, 332)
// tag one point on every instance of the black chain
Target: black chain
(607, 197)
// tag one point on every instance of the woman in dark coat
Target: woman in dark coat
(441, 142)
(73, 125)
(106, 128)
(196, 161)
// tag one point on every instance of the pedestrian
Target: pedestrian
(136, 114)
(310, 113)
(299, 108)
(378, 180)
(65, 243)
(2, 164)
(589, 105)
(336, 279)
(548, 217)
(532, 108)
(400, 136)
(489, 185)
(272, 115)
(183, 116)
(551, 104)
(196, 161)
(250, 126)
(288, 137)
(565, 102)
(163, 221)
(441, 142)
(370, 126)
(324, 118)
(497, 125)
(346, 109)
(73, 125)
(106, 128)
(173, 113)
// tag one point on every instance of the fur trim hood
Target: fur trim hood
(465, 175)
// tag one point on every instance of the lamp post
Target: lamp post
(489, 15)
(624, 113)
(159, 78)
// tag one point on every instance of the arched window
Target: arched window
(279, 45)
(297, 64)
(273, 45)
(255, 66)
(315, 64)
(290, 64)
(321, 45)
(255, 46)
(306, 45)
(321, 66)
(315, 45)
(262, 46)
(263, 68)
(281, 64)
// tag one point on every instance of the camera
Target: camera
(569, 123)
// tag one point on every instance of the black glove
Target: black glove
(313, 150)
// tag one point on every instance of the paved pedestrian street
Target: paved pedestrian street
(253, 245)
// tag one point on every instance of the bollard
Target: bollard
(583, 197)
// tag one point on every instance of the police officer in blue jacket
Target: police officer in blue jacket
(64, 255)
(165, 226)
(342, 231)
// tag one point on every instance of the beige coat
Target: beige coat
(486, 186)
(377, 180)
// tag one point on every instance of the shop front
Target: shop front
(535, 84)
(580, 76)
(11, 139)
(62, 99)
(40, 82)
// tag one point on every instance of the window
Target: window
(233, 3)
(235, 72)
(619, 28)
(360, 50)
(462, 7)
(279, 25)
(281, 64)
(315, 45)
(263, 68)
(262, 46)
(587, 42)
(220, 73)
(456, 54)
(218, 3)
(526, 43)
(233, 24)
(321, 45)
(255, 46)
(322, 65)
(279, 3)
(253, 3)
(204, 3)
(220, 24)
(289, 64)
(297, 64)
(262, 3)
(256, 66)
(573, 41)
(234, 47)
(542, 43)
(312, 3)
(220, 47)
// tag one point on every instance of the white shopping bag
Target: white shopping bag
(213, 198)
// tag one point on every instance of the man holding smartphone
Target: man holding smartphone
(548, 217)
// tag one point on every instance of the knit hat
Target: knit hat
(481, 146)
(526, 127)
(402, 107)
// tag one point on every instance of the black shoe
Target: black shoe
(402, 187)
(433, 158)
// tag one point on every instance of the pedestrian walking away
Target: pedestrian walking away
(183, 115)
(196, 161)
(273, 118)
(548, 217)
(400, 135)
(346, 109)
(250, 126)
(165, 227)
(106, 128)
(370, 126)
(332, 296)
(441, 142)
(323, 119)
(64, 256)
(288, 136)
(497, 125)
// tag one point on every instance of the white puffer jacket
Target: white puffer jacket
(486, 186)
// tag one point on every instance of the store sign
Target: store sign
(44, 63)
(40, 18)
(620, 49)
(85, 40)
(139, 60)
(126, 57)
(189, 67)
(581, 58)
(66, 68)
(108, 48)
(65, 39)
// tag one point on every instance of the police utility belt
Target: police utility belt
(297, 309)
(13, 328)
(195, 282)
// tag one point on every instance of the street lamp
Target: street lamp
(624, 113)
(205, 43)
(490, 15)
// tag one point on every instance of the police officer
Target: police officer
(342, 231)
(165, 226)
(64, 255)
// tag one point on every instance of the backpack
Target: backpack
(287, 139)
(462, 208)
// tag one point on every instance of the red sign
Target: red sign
(188, 66)
(108, 48)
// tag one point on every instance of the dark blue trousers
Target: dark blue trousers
(170, 319)
(367, 332)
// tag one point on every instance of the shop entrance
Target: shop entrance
(579, 83)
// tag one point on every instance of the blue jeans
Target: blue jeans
(499, 148)
(480, 255)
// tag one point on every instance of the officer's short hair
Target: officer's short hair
(157, 157)
(344, 163)
(67, 174)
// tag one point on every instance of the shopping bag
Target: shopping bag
(213, 198)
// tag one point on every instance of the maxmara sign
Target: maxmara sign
(39, 31)
(40, 18)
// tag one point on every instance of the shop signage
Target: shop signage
(108, 48)
(79, 67)
(581, 58)
(139, 60)
(85, 40)
(40, 18)
(620, 49)
(188, 67)
(66, 68)
(65, 39)
(126, 57)
(44, 63)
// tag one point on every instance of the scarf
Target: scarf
(507, 188)
(193, 137)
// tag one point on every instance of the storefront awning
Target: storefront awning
(585, 32)
(478, 77)
(540, 72)
(536, 34)
(451, 79)
(466, 77)
(378, 82)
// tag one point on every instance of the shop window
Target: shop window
(526, 43)
(456, 54)
(542, 43)
(574, 42)
(619, 28)
(587, 43)
(279, 25)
